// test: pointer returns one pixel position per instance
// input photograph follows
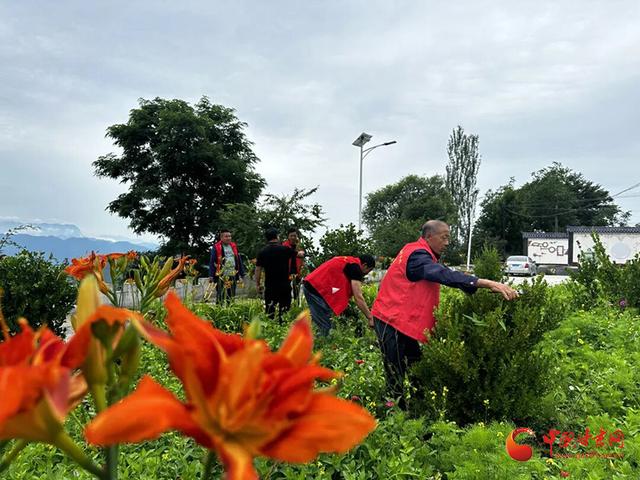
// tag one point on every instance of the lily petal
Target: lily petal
(328, 425)
(144, 415)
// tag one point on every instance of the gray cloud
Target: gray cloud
(539, 82)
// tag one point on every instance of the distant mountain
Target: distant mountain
(60, 230)
(67, 248)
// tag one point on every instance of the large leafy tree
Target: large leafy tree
(554, 198)
(248, 222)
(182, 163)
(395, 213)
(461, 178)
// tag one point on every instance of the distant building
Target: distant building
(621, 243)
(547, 248)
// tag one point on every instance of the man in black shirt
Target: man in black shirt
(275, 260)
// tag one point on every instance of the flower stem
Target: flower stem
(65, 443)
(99, 397)
(11, 456)
(208, 466)
(112, 462)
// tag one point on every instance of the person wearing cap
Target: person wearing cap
(409, 292)
(329, 288)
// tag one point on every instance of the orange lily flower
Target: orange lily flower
(81, 267)
(242, 400)
(37, 384)
(166, 282)
(86, 343)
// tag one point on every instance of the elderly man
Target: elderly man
(408, 295)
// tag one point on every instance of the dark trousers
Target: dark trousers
(279, 297)
(399, 352)
(225, 295)
(320, 311)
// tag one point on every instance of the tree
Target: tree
(395, 213)
(461, 178)
(183, 164)
(36, 288)
(248, 222)
(555, 198)
(345, 240)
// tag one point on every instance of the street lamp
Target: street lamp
(360, 142)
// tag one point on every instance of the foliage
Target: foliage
(488, 265)
(481, 362)
(345, 240)
(36, 288)
(592, 380)
(600, 280)
(249, 222)
(395, 213)
(183, 164)
(596, 364)
(461, 179)
(554, 198)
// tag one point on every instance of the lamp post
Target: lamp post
(360, 142)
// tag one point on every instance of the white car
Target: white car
(521, 265)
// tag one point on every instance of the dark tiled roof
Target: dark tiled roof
(580, 229)
(545, 235)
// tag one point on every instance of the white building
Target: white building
(547, 248)
(621, 243)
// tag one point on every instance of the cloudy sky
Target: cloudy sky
(538, 81)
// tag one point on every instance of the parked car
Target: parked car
(521, 265)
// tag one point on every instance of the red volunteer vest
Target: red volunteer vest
(218, 247)
(332, 284)
(299, 261)
(407, 306)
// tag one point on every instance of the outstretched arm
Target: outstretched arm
(356, 287)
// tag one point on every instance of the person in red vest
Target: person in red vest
(225, 267)
(330, 286)
(295, 267)
(408, 295)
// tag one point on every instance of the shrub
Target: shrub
(488, 265)
(346, 240)
(36, 288)
(481, 362)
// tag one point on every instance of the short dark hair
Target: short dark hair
(271, 233)
(368, 260)
(224, 230)
(292, 230)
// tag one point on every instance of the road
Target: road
(550, 279)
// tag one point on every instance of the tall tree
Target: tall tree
(461, 179)
(248, 222)
(554, 198)
(183, 163)
(394, 213)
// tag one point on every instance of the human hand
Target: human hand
(370, 319)
(506, 291)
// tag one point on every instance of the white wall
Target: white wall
(620, 247)
(549, 251)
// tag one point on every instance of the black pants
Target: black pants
(279, 297)
(399, 352)
(225, 295)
